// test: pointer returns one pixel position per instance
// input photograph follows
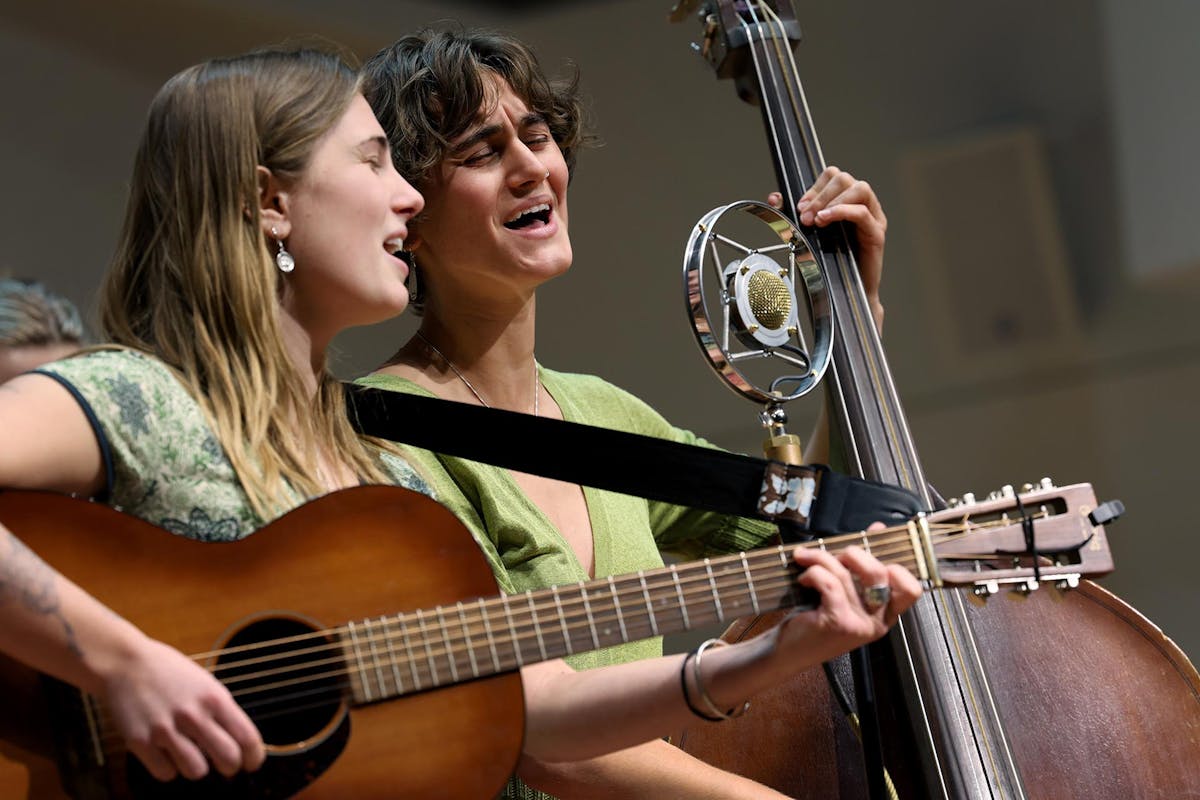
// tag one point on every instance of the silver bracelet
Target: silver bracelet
(707, 702)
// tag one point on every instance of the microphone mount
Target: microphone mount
(741, 269)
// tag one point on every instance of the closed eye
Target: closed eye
(479, 157)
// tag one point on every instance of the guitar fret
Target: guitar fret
(561, 620)
(408, 648)
(617, 605)
(451, 658)
(375, 659)
(487, 631)
(750, 583)
(462, 620)
(388, 640)
(687, 624)
(434, 675)
(512, 632)
(649, 602)
(587, 609)
(537, 627)
(712, 582)
(866, 541)
(361, 668)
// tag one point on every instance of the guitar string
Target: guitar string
(315, 687)
(885, 542)
(783, 580)
(697, 586)
(315, 691)
(661, 583)
(328, 686)
(884, 536)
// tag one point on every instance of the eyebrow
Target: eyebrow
(376, 141)
(488, 131)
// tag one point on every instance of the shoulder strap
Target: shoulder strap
(810, 497)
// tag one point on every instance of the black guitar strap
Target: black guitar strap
(798, 498)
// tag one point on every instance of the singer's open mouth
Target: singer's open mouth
(535, 215)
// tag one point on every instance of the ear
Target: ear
(273, 204)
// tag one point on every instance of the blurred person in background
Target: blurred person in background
(36, 326)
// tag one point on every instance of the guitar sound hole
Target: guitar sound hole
(290, 682)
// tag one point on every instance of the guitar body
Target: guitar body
(352, 555)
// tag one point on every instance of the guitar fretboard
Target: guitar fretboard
(394, 655)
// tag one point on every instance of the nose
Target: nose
(525, 168)
(406, 200)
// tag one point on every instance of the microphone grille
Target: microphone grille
(770, 299)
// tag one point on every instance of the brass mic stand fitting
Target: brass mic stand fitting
(779, 444)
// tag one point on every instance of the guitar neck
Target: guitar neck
(395, 655)
(424, 649)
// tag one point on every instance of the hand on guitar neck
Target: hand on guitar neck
(556, 697)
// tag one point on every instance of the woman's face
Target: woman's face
(347, 215)
(495, 221)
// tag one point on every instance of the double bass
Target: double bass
(1050, 691)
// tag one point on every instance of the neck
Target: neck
(306, 352)
(475, 359)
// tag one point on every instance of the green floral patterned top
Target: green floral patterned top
(162, 461)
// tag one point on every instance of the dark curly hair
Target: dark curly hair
(427, 89)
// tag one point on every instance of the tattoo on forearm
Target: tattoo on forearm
(26, 579)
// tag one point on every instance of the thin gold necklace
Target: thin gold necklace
(537, 384)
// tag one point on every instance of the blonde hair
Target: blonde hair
(193, 281)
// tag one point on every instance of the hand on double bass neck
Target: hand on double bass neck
(837, 196)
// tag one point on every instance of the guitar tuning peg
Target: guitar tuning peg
(1007, 491)
(1107, 512)
(968, 498)
(1066, 582)
(986, 589)
(1026, 488)
(1027, 586)
(1045, 483)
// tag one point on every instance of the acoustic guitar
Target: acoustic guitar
(364, 634)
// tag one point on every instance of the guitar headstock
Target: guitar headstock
(986, 543)
(728, 26)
